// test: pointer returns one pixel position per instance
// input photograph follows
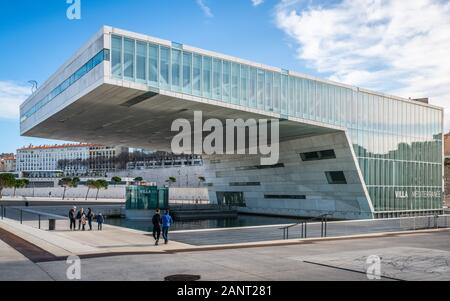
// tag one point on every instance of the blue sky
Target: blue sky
(36, 38)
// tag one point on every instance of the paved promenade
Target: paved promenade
(421, 256)
(251, 253)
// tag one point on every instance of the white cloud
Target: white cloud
(206, 10)
(11, 96)
(257, 2)
(399, 47)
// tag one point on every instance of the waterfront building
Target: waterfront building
(344, 150)
(72, 159)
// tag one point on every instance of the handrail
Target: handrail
(304, 223)
(306, 220)
(39, 214)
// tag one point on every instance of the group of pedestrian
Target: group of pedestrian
(161, 224)
(84, 218)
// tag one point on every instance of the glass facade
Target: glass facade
(146, 197)
(398, 143)
(103, 55)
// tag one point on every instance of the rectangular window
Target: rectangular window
(197, 74)
(235, 83)
(245, 184)
(336, 177)
(217, 79)
(276, 92)
(187, 72)
(278, 165)
(176, 69)
(319, 155)
(268, 91)
(231, 198)
(284, 93)
(226, 81)
(207, 68)
(116, 56)
(141, 61)
(252, 87)
(244, 85)
(291, 96)
(285, 196)
(261, 86)
(153, 59)
(164, 67)
(129, 58)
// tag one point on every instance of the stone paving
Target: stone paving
(420, 256)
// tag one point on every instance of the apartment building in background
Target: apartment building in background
(71, 159)
(7, 163)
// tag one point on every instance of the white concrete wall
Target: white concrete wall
(113, 192)
(80, 87)
(347, 201)
(186, 176)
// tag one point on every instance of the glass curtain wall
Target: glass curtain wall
(398, 143)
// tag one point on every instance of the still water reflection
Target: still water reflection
(239, 221)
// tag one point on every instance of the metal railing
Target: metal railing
(310, 228)
(176, 202)
(304, 226)
(18, 214)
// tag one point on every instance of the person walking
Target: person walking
(72, 213)
(156, 221)
(90, 217)
(167, 221)
(79, 215)
(100, 220)
(83, 221)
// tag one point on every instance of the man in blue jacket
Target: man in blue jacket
(166, 223)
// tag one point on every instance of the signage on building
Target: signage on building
(403, 194)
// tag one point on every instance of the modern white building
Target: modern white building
(47, 157)
(102, 159)
(72, 159)
(344, 150)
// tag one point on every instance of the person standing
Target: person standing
(90, 217)
(100, 220)
(83, 221)
(79, 215)
(156, 221)
(166, 223)
(72, 213)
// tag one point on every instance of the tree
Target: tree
(75, 182)
(171, 180)
(138, 179)
(7, 180)
(68, 183)
(201, 180)
(91, 185)
(100, 184)
(20, 183)
(116, 180)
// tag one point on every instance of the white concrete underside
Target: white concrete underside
(100, 116)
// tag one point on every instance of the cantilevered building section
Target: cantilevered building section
(344, 150)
